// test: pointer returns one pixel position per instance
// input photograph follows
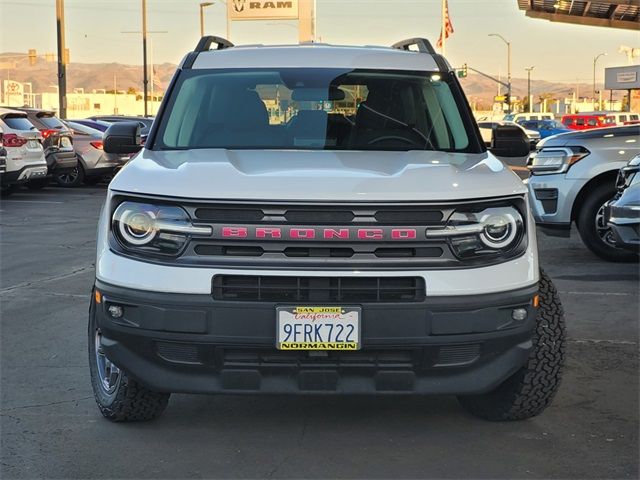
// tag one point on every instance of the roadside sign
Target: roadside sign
(262, 10)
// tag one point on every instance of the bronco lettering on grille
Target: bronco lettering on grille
(297, 233)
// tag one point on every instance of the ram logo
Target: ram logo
(266, 5)
(238, 5)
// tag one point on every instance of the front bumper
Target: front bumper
(552, 197)
(192, 343)
(625, 224)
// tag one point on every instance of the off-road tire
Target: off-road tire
(131, 401)
(586, 220)
(532, 388)
(37, 184)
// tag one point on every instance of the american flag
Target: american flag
(448, 27)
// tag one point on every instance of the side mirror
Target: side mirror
(122, 138)
(509, 141)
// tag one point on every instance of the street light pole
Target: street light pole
(595, 59)
(508, 67)
(62, 61)
(202, 5)
(145, 80)
(529, 102)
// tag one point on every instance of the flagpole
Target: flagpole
(152, 72)
(444, 26)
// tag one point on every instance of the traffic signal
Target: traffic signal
(507, 99)
(33, 58)
(462, 72)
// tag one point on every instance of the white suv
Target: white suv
(320, 219)
(25, 156)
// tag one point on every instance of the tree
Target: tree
(131, 91)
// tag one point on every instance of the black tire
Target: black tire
(129, 401)
(531, 389)
(600, 241)
(71, 179)
(93, 180)
(37, 184)
(7, 190)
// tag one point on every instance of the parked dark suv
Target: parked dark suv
(57, 141)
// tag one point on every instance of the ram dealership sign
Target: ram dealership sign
(262, 10)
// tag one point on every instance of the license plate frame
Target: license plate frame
(333, 337)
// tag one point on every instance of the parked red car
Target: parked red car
(580, 121)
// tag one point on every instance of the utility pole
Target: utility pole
(529, 102)
(595, 59)
(145, 80)
(202, 5)
(62, 61)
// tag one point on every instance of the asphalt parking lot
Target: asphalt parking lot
(51, 427)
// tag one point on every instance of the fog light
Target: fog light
(519, 314)
(116, 311)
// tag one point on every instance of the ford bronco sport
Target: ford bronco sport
(319, 219)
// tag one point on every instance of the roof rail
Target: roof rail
(204, 45)
(424, 45)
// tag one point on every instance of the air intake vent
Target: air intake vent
(179, 352)
(318, 289)
(451, 355)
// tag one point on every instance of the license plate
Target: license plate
(318, 328)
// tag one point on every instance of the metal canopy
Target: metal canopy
(598, 13)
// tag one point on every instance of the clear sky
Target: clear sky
(560, 52)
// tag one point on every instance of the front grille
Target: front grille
(328, 236)
(318, 289)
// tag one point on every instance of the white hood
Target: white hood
(218, 174)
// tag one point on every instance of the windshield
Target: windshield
(316, 109)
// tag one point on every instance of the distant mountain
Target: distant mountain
(90, 76)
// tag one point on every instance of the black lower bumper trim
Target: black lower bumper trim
(195, 344)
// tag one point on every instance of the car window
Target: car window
(592, 122)
(51, 122)
(316, 109)
(633, 118)
(81, 129)
(580, 121)
(623, 118)
(18, 122)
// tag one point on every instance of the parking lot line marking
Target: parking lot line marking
(618, 294)
(595, 340)
(30, 201)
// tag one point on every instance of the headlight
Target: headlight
(555, 160)
(149, 228)
(492, 231)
